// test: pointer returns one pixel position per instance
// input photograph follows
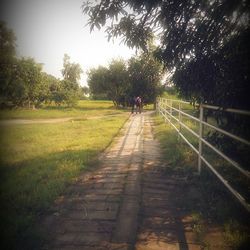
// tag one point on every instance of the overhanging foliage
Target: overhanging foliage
(203, 33)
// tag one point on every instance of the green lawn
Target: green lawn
(38, 161)
(176, 151)
(84, 109)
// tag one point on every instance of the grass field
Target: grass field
(39, 160)
(84, 109)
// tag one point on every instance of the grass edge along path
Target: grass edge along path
(32, 180)
(218, 209)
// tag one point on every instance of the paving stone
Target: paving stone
(156, 223)
(168, 236)
(157, 203)
(83, 247)
(97, 205)
(113, 185)
(127, 221)
(81, 238)
(104, 191)
(92, 215)
(157, 245)
(153, 191)
(110, 179)
(104, 198)
(151, 197)
(120, 246)
(133, 188)
(156, 185)
(85, 226)
(94, 205)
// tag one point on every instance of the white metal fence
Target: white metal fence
(166, 107)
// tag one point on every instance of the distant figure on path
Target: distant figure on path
(138, 103)
(133, 104)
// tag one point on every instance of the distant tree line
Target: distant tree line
(24, 84)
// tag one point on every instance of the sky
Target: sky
(47, 29)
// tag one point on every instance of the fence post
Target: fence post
(171, 111)
(200, 138)
(156, 105)
(165, 109)
(179, 120)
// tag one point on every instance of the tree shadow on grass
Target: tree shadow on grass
(80, 108)
(29, 188)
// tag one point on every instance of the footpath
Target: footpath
(128, 202)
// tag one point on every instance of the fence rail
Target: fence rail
(166, 108)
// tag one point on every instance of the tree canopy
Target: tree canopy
(23, 83)
(71, 71)
(191, 33)
(27, 81)
(7, 57)
(121, 81)
(110, 82)
(145, 74)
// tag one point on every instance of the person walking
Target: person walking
(138, 103)
(133, 104)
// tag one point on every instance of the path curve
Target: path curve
(51, 120)
(34, 121)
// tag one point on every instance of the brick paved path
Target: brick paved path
(127, 203)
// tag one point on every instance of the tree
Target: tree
(97, 78)
(121, 81)
(22, 81)
(49, 88)
(145, 74)
(26, 83)
(111, 82)
(7, 59)
(84, 92)
(70, 91)
(117, 82)
(71, 71)
(191, 33)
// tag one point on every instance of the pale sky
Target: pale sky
(47, 29)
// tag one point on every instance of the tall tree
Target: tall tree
(26, 83)
(111, 81)
(97, 79)
(117, 81)
(7, 59)
(121, 81)
(49, 88)
(190, 33)
(145, 74)
(70, 91)
(71, 71)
